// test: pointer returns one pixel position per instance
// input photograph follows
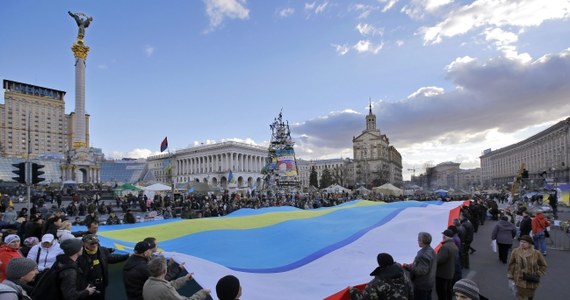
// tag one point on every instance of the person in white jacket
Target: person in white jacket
(45, 252)
(64, 231)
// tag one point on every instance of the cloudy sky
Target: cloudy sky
(447, 79)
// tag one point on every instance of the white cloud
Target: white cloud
(493, 13)
(368, 29)
(219, 10)
(476, 115)
(286, 12)
(418, 9)
(461, 61)
(321, 8)
(316, 8)
(389, 4)
(429, 91)
(341, 49)
(506, 42)
(149, 50)
(367, 46)
(399, 43)
(364, 10)
(135, 153)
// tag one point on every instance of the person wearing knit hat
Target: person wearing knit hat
(71, 247)
(9, 251)
(389, 282)
(20, 272)
(445, 272)
(68, 272)
(24, 269)
(228, 288)
(466, 289)
(11, 238)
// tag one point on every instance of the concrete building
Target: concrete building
(545, 155)
(376, 161)
(469, 180)
(212, 164)
(40, 110)
(445, 175)
(339, 168)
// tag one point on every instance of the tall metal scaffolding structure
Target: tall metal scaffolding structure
(281, 173)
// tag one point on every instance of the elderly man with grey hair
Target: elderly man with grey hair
(156, 287)
(423, 269)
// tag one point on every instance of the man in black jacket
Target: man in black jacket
(135, 271)
(68, 273)
(94, 264)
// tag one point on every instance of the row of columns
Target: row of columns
(73, 172)
(223, 162)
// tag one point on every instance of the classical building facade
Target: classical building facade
(376, 161)
(40, 110)
(545, 155)
(212, 164)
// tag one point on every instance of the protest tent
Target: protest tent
(441, 192)
(157, 187)
(126, 187)
(335, 188)
(363, 191)
(152, 189)
(388, 189)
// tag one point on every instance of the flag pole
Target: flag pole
(171, 178)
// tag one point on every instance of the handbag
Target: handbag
(531, 277)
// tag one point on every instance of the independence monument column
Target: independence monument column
(80, 52)
(81, 163)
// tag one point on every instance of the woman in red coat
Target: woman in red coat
(9, 250)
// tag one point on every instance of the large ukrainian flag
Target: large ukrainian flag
(289, 253)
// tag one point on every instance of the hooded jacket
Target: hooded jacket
(46, 257)
(504, 232)
(539, 223)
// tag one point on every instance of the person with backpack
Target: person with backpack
(63, 281)
(19, 273)
(44, 253)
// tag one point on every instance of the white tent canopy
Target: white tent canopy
(363, 190)
(157, 187)
(335, 188)
(388, 189)
(152, 189)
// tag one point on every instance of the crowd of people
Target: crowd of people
(442, 270)
(41, 258)
(41, 240)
